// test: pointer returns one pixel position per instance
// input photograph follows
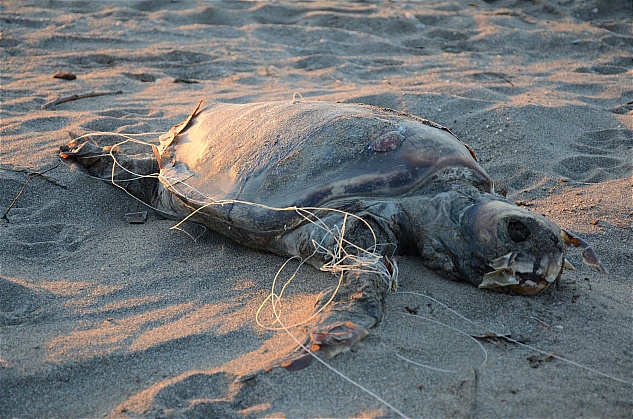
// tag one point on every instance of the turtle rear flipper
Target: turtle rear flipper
(356, 307)
(136, 173)
(94, 158)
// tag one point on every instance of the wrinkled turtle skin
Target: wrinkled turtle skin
(412, 181)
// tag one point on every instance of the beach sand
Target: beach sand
(99, 317)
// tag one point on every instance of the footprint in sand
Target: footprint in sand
(19, 304)
(196, 395)
(92, 60)
(618, 66)
(603, 155)
(39, 241)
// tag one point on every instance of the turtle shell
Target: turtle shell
(304, 154)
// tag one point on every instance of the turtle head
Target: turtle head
(507, 246)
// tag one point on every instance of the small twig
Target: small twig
(541, 321)
(28, 179)
(501, 76)
(71, 98)
(31, 172)
(185, 80)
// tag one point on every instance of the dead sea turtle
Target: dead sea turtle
(317, 180)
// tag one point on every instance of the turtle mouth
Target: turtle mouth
(523, 273)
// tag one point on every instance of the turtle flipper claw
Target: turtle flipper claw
(327, 342)
(339, 338)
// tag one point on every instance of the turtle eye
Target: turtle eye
(518, 232)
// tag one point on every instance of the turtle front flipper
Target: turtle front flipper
(136, 173)
(326, 341)
(356, 307)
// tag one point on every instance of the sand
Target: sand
(99, 317)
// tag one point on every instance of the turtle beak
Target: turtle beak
(523, 251)
(519, 272)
